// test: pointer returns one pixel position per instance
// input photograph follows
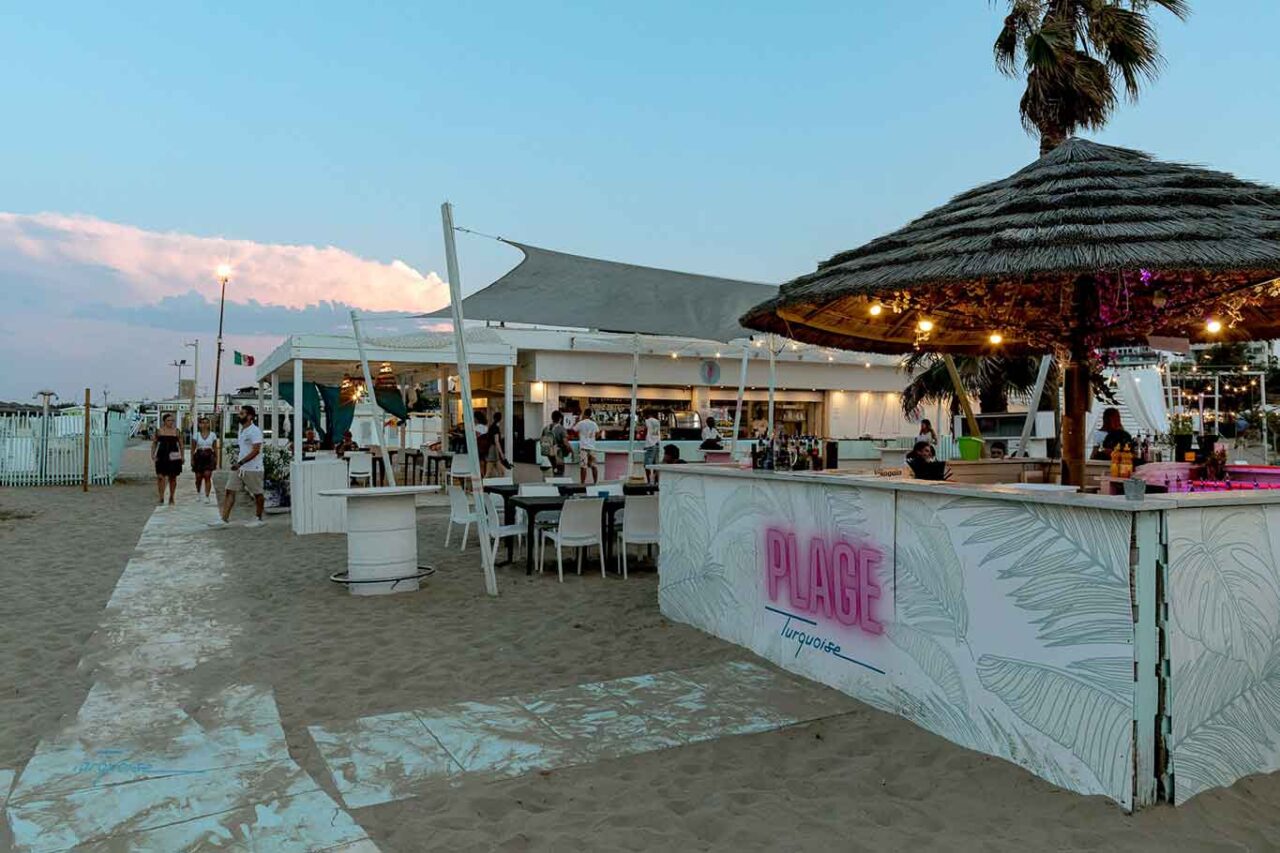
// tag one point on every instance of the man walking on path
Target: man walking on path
(587, 429)
(247, 471)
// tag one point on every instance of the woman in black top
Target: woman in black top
(1116, 434)
(166, 452)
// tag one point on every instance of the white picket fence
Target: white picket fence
(35, 451)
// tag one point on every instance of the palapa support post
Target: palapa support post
(963, 396)
(387, 470)
(1077, 393)
(87, 428)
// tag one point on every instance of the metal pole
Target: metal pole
(773, 380)
(468, 413)
(1217, 409)
(1266, 444)
(297, 411)
(373, 398)
(631, 428)
(509, 419)
(1041, 376)
(195, 384)
(87, 428)
(737, 413)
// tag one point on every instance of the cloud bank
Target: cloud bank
(87, 302)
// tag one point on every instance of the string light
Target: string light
(1214, 326)
(925, 325)
(996, 338)
(675, 355)
(875, 310)
(867, 365)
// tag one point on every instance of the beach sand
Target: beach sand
(862, 780)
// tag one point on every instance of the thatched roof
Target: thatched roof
(1168, 245)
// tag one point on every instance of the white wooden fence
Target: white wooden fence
(39, 451)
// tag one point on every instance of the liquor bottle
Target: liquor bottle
(1115, 461)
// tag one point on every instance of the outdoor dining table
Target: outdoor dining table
(535, 505)
(508, 491)
(436, 462)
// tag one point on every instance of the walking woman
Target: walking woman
(166, 452)
(495, 461)
(203, 460)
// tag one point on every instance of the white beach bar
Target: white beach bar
(1129, 648)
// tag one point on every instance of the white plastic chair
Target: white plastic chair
(360, 466)
(460, 512)
(581, 526)
(460, 468)
(497, 529)
(640, 526)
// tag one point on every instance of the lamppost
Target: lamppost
(179, 363)
(224, 275)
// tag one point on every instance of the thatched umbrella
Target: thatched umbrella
(1089, 247)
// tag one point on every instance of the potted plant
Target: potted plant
(275, 464)
(1180, 428)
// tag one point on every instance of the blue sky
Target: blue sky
(747, 140)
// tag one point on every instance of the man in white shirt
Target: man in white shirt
(247, 471)
(587, 458)
(652, 443)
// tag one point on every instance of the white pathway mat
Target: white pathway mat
(390, 757)
(146, 766)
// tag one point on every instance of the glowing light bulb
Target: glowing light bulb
(675, 355)
(867, 365)
(875, 310)
(996, 338)
(925, 325)
(224, 270)
(1213, 326)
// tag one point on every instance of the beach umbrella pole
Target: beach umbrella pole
(373, 398)
(468, 412)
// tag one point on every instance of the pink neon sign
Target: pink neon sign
(836, 581)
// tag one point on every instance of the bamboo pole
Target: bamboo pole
(87, 430)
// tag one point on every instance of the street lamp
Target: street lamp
(179, 363)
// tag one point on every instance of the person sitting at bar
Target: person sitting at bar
(922, 463)
(710, 436)
(1114, 434)
(310, 444)
(670, 456)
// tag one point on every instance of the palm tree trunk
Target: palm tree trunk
(1051, 138)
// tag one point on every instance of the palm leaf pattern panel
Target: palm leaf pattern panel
(1224, 601)
(1094, 725)
(1069, 564)
(692, 588)
(932, 659)
(930, 578)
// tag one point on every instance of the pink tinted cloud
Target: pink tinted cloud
(149, 265)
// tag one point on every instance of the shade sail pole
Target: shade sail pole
(468, 412)
(373, 398)
(773, 380)
(1042, 375)
(631, 428)
(737, 412)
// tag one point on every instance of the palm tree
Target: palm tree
(1076, 55)
(992, 379)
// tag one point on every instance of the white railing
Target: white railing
(39, 451)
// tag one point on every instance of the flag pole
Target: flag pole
(468, 412)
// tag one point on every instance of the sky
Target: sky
(311, 144)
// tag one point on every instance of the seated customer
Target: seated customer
(922, 463)
(310, 444)
(670, 456)
(347, 443)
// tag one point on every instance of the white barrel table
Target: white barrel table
(382, 538)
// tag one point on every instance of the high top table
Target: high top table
(382, 538)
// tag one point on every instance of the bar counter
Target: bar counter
(1128, 648)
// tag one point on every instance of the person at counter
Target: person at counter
(1113, 434)
(652, 444)
(345, 445)
(710, 436)
(927, 432)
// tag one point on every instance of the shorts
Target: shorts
(203, 460)
(250, 481)
(588, 457)
(651, 455)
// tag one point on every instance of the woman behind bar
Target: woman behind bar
(1114, 433)
(927, 432)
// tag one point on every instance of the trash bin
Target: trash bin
(970, 448)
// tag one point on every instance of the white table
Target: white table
(382, 537)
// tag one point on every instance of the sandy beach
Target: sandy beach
(857, 780)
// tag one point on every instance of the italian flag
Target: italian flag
(244, 359)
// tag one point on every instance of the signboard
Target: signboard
(709, 372)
